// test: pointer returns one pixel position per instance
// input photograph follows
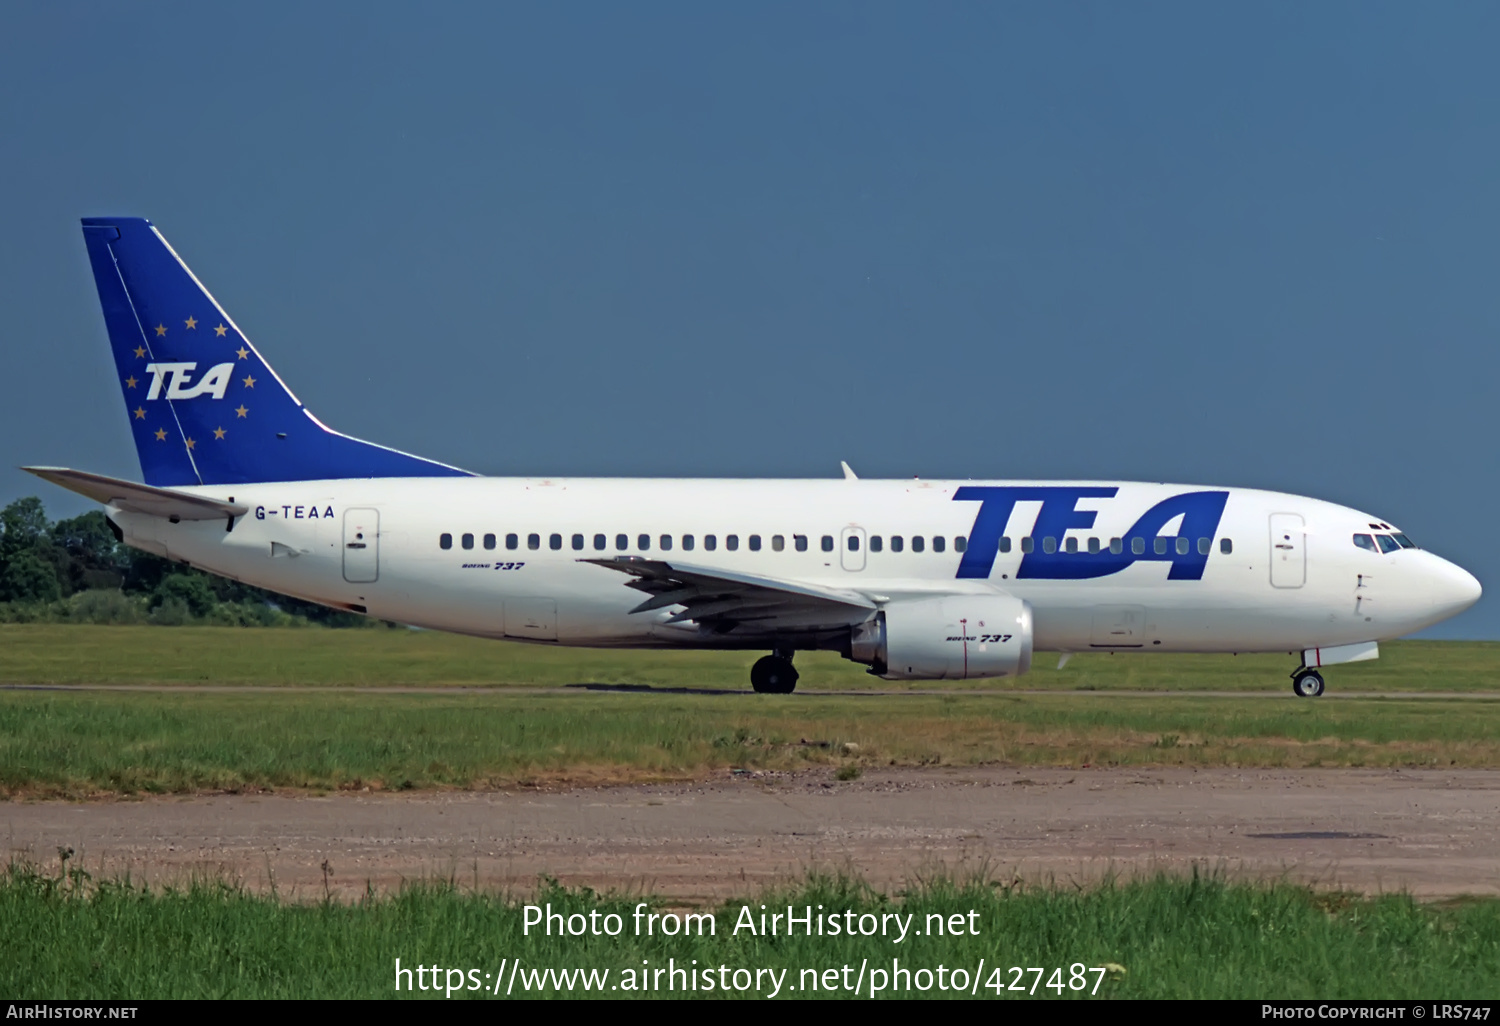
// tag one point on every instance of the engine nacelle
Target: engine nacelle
(949, 637)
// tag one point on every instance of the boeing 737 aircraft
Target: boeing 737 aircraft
(917, 579)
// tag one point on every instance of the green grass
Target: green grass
(67, 938)
(83, 654)
(82, 743)
(693, 715)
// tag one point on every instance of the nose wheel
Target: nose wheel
(1307, 683)
(774, 674)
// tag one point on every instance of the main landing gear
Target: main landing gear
(1307, 683)
(774, 674)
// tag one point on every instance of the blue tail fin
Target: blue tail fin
(204, 406)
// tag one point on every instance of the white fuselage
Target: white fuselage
(1290, 576)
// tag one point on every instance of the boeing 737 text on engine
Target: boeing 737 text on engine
(916, 579)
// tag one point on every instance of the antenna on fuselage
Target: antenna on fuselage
(849, 474)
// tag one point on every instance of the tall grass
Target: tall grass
(68, 937)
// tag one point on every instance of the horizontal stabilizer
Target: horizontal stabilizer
(139, 498)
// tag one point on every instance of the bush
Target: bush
(100, 606)
(173, 612)
(192, 590)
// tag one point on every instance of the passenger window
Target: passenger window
(897, 543)
(511, 541)
(445, 541)
(1049, 545)
(555, 542)
(1093, 546)
(1028, 544)
(918, 543)
(1204, 544)
(876, 544)
(710, 542)
(800, 541)
(533, 541)
(577, 543)
(1226, 546)
(755, 543)
(468, 541)
(939, 543)
(1138, 546)
(960, 543)
(1116, 545)
(1183, 545)
(489, 541)
(1364, 541)
(853, 543)
(1161, 545)
(687, 543)
(778, 542)
(1070, 544)
(666, 543)
(1005, 543)
(732, 542)
(1386, 543)
(828, 543)
(1403, 541)
(600, 542)
(622, 542)
(643, 542)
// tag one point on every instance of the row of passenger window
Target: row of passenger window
(1161, 545)
(689, 542)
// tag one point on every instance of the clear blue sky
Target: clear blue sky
(1243, 244)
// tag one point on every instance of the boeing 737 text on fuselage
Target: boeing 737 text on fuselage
(920, 580)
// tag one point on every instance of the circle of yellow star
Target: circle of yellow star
(220, 330)
(192, 323)
(161, 329)
(140, 352)
(219, 434)
(249, 381)
(241, 411)
(130, 381)
(242, 352)
(140, 413)
(161, 434)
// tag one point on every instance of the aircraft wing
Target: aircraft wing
(140, 498)
(723, 600)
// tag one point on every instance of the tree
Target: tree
(27, 577)
(22, 524)
(93, 557)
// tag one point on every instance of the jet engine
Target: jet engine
(947, 637)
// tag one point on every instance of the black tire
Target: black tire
(1308, 684)
(772, 675)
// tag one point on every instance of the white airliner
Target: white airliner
(920, 580)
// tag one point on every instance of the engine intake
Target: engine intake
(948, 637)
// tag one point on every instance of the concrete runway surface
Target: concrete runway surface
(1433, 833)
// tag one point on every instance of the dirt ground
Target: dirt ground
(1431, 832)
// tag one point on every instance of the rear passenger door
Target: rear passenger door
(361, 545)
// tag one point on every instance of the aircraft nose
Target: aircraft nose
(1454, 589)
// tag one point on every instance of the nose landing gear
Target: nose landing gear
(774, 674)
(1307, 683)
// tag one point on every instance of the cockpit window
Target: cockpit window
(1403, 541)
(1364, 541)
(1387, 543)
